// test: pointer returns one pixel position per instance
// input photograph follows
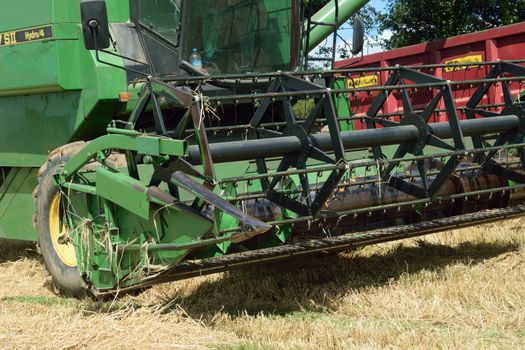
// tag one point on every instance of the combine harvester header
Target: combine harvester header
(181, 151)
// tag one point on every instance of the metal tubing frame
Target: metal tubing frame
(254, 78)
(297, 142)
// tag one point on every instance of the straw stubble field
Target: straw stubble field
(462, 289)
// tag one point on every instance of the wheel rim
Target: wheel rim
(65, 252)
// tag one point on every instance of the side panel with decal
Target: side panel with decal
(26, 35)
(465, 59)
(364, 81)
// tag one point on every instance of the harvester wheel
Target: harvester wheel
(58, 253)
(59, 256)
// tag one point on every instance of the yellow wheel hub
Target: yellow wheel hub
(66, 252)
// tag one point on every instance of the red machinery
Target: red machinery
(503, 43)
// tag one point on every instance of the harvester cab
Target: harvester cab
(228, 37)
(201, 143)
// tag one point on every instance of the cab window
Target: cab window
(240, 36)
(161, 17)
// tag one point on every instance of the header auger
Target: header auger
(219, 166)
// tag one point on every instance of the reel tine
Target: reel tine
(422, 172)
(485, 113)
(317, 154)
(407, 105)
(429, 110)
(507, 95)
(437, 142)
(400, 153)
(385, 122)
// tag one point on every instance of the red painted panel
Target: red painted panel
(505, 43)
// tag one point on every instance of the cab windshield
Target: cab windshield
(241, 36)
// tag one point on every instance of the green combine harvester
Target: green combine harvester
(146, 141)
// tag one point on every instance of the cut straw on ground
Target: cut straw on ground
(463, 289)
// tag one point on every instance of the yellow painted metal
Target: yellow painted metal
(66, 252)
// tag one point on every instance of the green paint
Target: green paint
(342, 104)
(98, 236)
(53, 85)
(51, 125)
(347, 8)
(53, 92)
(124, 191)
(16, 205)
(142, 144)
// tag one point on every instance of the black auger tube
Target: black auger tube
(223, 152)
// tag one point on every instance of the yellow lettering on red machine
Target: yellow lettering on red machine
(364, 81)
(26, 35)
(464, 60)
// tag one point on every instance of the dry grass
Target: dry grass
(454, 290)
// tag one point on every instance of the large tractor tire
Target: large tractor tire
(58, 253)
(59, 256)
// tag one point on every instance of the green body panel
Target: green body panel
(34, 125)
(124, 191)
(55, 89)
(16, 205)
(40, 66)
(53, 92)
